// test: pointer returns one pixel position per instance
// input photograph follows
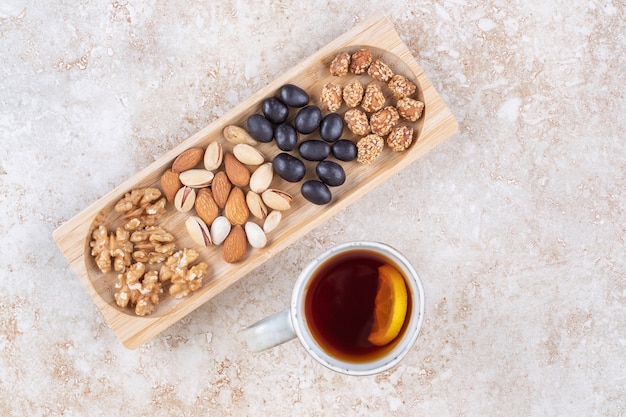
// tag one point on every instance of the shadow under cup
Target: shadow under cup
(332, 308)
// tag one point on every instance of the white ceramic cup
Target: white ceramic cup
(292, 322)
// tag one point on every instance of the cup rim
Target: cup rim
(416, 318)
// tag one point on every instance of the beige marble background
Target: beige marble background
(517, 224)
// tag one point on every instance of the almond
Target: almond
(188, 159)
(170, 184)
(221, 188)
(236, 209)
(205, 205)
(235, 245)
(237, 172)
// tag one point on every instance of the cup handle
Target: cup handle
(269, 332)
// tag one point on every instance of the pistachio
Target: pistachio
(272, 220)
(220, 230)
(236, 134)
(248, 155)
(277, 199)
(198, 231)
(256, 205)
(261, 179)
(213, 156)
(196, 178)
(256, 236)
(184, 199)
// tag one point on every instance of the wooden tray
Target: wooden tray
(435, 126)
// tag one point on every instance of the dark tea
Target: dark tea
(339, 305)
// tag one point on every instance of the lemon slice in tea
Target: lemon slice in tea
(390, 306)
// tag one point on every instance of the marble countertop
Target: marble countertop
(516, 224)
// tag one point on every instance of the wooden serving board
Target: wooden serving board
(436, 125)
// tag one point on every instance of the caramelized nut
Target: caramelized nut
(380, 71)
(384, 120)
(369, 148)
(360, 61)
(400, 138)
(339, 65)
(357, 122)
(331, 97)
(353, 93)
(373, 99)
(410, 109)
(401, 87)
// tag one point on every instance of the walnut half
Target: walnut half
(139, 289)
(184, 279)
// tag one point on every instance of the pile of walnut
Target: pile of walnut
(373, 121)
(144, 254)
